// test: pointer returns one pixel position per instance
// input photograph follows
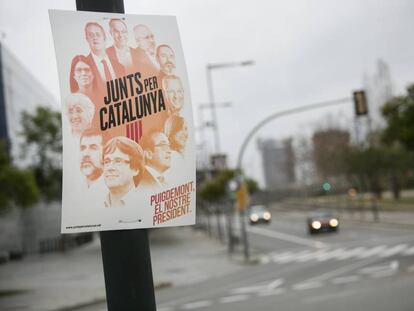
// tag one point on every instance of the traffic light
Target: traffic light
(360, 102)
(326, 186)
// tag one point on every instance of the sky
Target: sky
(303, 51)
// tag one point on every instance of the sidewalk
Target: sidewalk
(61, 281)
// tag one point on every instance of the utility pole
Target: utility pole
(125, 253)
(254, 130)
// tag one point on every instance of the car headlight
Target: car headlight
(254, 217)
(316, 224)
(333, 222)
(267, 216)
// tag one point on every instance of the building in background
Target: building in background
(330, 148)
(278, 164)
(19, 91)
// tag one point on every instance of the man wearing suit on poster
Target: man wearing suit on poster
(103, 68)
(146, 50)
(166, 59)
(157, 153)
(120, 52)
(174, 93)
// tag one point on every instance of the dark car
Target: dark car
(259, 214)
(322, 222)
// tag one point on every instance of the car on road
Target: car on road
(322, 222)
(259, 214)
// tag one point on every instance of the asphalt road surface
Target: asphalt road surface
(362, 267)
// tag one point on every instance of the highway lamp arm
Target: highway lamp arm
(276, 115)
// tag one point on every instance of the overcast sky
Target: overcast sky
(304, 52)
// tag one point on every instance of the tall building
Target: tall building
(278, 163)
(19, 91)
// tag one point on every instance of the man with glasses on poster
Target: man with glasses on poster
(158, 159)
(122, 165)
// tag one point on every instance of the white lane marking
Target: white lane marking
(234, 298)
(351, 253)
(308, 255)
(283, 257)
(258, 287)
(277, 291)
(408, 252)
(341, 270)
(393, 265)
(383, 274)
(274, 284)
(319, 299)
(346, 279)
(196, 304)
(372, 251)
(287, 237)
(307, 285)
(165, 309)
(393, 251)
(249, 289)
(330, 254)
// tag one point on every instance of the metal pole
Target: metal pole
(245, 238)
(250, 136)
(125, 253)
(213, 109)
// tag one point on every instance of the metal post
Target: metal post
(246, 251)
(125, 253)
(213, 110)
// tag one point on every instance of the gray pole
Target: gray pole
(125, 253)
(213, 110)
(254, 131)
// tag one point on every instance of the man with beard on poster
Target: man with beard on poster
(146, 51)
(91, 165)
(166, 59)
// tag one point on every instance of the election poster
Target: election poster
(127, 122)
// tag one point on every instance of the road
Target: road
(362, 267)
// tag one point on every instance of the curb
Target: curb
(96, 301)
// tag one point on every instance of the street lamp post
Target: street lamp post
(210, 68)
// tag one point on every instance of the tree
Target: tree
(215, 189)
(43, 147)
(17, 186)
(399, 115)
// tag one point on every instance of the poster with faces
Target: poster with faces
(128, 133)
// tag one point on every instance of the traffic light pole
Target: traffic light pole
(125, 253)
(254, 131)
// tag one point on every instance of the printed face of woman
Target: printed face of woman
(78, 118)
(83, 74)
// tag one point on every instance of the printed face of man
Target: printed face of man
(166, 58)
(118, 173)
(78, 118)
(96, 38)
(91, 156)
(181, 136)
(175, 94)
(145, 39)
(119, 33)
(83, 74)
(161, 155)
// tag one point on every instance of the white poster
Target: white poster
(128, 134)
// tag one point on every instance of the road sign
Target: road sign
(243, 198)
